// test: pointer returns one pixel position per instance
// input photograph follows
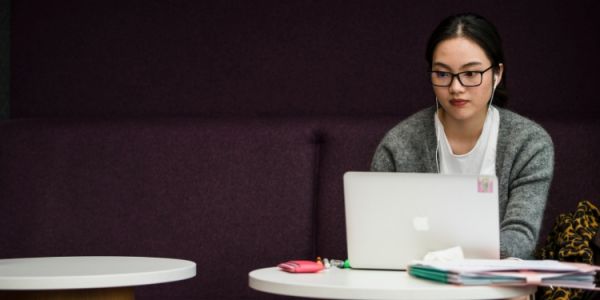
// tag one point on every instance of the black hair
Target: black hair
(479, 30)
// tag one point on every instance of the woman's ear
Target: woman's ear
(498, 74)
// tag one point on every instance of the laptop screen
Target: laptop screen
(395, 218)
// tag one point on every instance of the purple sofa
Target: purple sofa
(219, 132)
(232, 195)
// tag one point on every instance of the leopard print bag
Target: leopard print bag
(572, 239)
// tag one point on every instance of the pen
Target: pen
(328, 263)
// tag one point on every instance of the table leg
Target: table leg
(125, 293)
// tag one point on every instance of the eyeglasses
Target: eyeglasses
(466, 79)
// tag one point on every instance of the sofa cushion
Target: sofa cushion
(231, 195)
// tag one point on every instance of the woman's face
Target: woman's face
(462, 103)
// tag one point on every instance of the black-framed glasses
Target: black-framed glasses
(466, 78)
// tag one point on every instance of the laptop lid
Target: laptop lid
(395, 218)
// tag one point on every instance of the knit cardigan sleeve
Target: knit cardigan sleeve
(525, 167)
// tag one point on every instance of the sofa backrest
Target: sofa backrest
(576, 166)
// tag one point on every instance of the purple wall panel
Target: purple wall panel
(82, 58)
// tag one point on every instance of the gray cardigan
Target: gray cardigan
(524, 167)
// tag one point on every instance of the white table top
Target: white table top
(83, 272)
(366, 284)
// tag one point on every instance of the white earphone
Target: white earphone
(437, 137)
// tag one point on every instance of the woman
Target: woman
(467, 132)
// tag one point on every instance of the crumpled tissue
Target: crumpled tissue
(450, 254)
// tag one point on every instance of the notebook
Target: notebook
(393, 219)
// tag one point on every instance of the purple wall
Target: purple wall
(170, 58)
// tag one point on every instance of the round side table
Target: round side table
(87, 277)
(368, 284)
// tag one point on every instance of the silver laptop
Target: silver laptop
(395, 218)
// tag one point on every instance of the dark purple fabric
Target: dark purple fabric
(576, 169)
(173, 58)
(231, 195)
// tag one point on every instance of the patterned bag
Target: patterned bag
(572, 239)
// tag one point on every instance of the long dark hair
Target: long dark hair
(483, 33)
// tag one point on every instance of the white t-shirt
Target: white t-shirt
(481, 159)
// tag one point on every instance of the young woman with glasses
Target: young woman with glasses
(468, 131)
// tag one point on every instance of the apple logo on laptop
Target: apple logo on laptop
(421, 223)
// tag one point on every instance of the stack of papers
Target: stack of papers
(508, 272)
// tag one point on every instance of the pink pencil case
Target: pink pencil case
(301, 266)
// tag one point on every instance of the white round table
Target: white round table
(368, 284)
(89, 277)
